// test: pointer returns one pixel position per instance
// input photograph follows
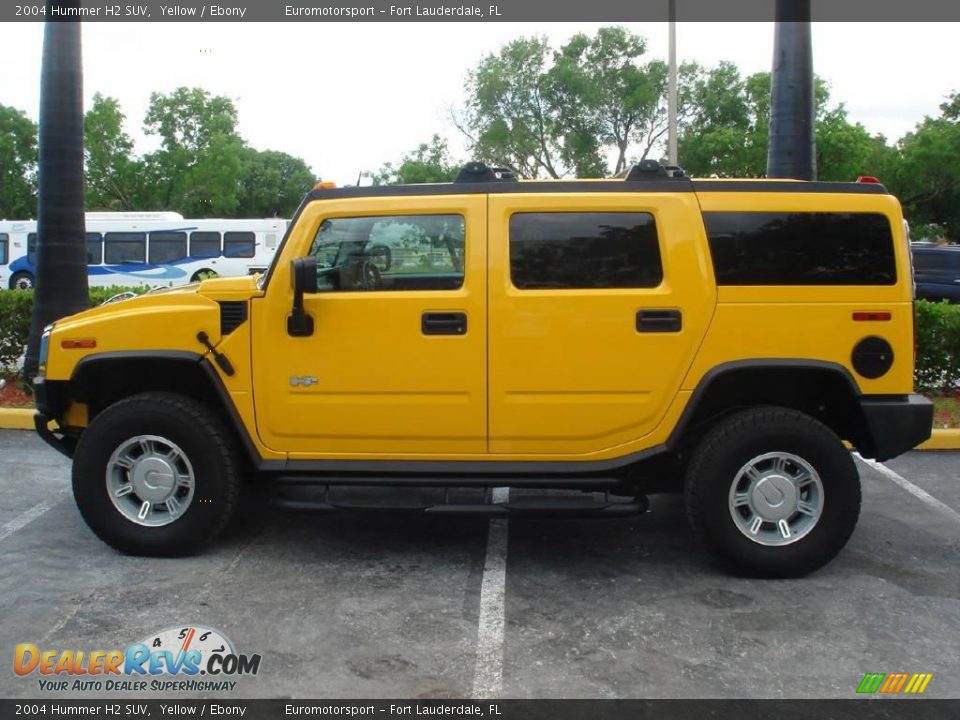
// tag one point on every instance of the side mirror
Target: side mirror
(303, 276)
(381, 257)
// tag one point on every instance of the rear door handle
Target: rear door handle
(659, 321)
(443, 323)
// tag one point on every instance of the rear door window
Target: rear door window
(569, 250)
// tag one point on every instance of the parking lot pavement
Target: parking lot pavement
(388, 605)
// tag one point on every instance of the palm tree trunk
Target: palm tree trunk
(792, 149)
(61, 287)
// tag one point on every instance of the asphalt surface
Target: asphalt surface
(397, 605)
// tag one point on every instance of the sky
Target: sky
(346, 97)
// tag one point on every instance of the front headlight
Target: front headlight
(45, 347)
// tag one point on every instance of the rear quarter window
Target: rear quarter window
(801, 248)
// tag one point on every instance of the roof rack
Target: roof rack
(478, 172)
(651, 169)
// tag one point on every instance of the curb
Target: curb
(22, 419)
(16, 418)
(942, 440)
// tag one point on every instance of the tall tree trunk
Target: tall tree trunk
(792, 149)
(61, 287)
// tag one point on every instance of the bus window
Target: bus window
(4, 248)
(167, 247)
(32, 249)
(94, 249)
(125, 247)
(239, 244)
(204, 244)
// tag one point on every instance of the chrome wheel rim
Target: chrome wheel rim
(150, 480)
(776, 499)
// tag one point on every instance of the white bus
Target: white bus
(135, 249)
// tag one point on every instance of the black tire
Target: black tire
(22, 281)
(204, 274)
(748, 435)
(205, 442)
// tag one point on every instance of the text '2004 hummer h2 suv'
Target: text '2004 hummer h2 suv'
(619, 337)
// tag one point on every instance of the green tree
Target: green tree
(606, 98)
(112, 173)
(429, 163)
(197, 167)
(552, 113)
(508, 117)
(18, 164)
(272, 183)
(727, 132)
(927, 174)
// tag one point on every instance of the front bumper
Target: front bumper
(59, 442)
(49, 408)
(894, 424)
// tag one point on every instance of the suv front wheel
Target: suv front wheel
(772, 492)
(155, 474)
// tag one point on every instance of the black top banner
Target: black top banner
(852, 11)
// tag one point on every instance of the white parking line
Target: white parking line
(30, 515)
(488, 675)
(917, 492)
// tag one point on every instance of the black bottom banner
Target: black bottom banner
(854, 709)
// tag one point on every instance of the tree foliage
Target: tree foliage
(18, 164)
(428, 163)
(197, 167)
(926, 175)
(112, 174)
(727, 131)
(203, 168)
(272, 183)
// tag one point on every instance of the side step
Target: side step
(589, 505)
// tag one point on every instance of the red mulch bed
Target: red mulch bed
(13, 394)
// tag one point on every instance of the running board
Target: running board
(581, 482)
(523, 506)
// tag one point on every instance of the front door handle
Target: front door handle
(443, 323)
(659, 321)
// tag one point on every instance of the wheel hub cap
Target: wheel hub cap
(150, 480)
(776, 498)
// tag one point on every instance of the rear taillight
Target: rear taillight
(881, 316)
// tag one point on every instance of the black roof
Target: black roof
(602, 186)
(646, 177)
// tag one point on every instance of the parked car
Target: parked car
(720, 339)
(937, 271)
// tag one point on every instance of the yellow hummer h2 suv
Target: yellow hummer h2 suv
(608, 339)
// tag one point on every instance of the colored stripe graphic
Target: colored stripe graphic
(871, 683)
(894, 683)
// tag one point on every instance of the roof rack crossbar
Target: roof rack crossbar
(651, 169)
(478, 172)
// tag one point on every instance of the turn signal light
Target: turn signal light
(78, 343)
(324, 185)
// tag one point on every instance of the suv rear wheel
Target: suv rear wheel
(772, 492)
(155, 474)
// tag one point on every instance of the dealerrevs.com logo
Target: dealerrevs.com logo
(183, 658)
